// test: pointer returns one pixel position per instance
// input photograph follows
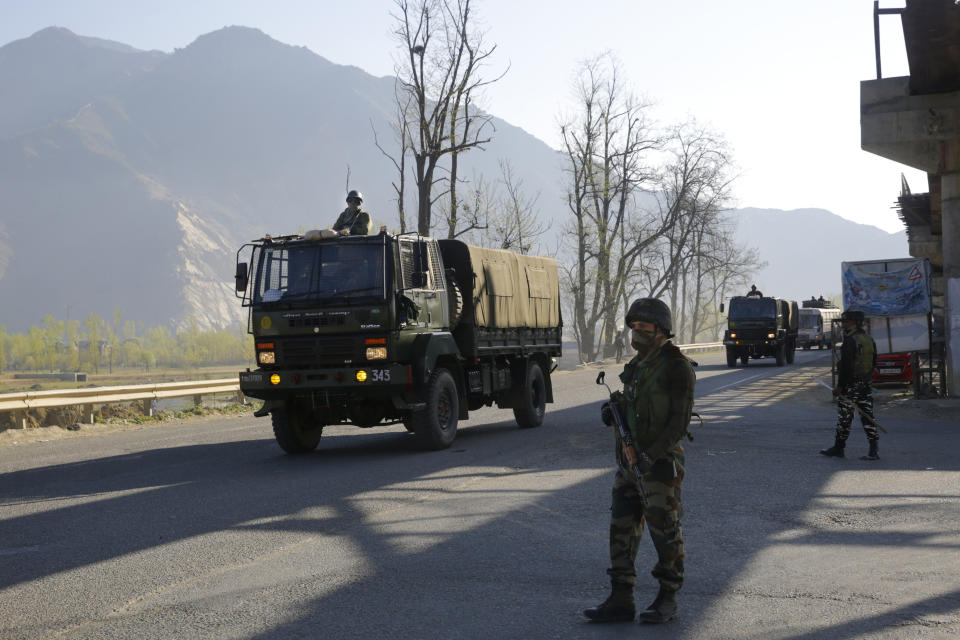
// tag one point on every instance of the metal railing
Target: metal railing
(88, 398)
(704, 346)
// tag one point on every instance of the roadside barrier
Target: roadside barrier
(706, 346)
(145, 394)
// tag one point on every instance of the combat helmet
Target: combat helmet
(355, 194)
(852, 315)
(651, 310)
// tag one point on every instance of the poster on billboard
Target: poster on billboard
(887, 288)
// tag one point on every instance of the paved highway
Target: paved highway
(207, 530)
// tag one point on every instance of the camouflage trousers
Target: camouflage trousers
(859, 393)
(662, 515)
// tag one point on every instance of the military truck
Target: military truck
(395, 329)
(816, 324)
(760, 327)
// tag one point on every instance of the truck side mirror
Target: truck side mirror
(241, 277)
(721, 307)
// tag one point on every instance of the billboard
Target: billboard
(887, 288)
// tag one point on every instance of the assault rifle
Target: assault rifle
(626, 442)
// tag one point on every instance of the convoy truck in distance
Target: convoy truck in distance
(760, 327)
(390, 329)
(816, 324)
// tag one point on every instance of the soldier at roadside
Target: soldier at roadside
(354, 221)
(858, 357)
(656, 403)
(618, 345)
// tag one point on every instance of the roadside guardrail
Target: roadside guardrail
(89, 397)
(706, 346)
(145, 394)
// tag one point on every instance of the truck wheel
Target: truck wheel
(531, 402)
(455, 301)
(436, 424)
(731, 358)
(744, 359)
(295, 429)
(791, 353)
(781, 355)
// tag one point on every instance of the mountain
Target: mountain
(803, 248)
(130, 178)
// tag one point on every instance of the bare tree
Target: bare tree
(474, 211)
(607, 144)
(401, 130)
(442, 55)
(515, 225)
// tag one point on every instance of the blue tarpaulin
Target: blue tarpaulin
(887, 288)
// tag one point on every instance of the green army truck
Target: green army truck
(761, 327)
(391, 329)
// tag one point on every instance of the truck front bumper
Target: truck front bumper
(376, 382)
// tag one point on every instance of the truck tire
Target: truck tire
(436, 424)
(531, 402)
(731, 358)
(295, 429)
(791, 353)
(455, 302)
(781, 355)
(744, 359)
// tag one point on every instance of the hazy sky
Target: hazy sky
(780, 80)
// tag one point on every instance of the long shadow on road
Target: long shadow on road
(503, 535)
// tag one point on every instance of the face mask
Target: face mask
(640, 339)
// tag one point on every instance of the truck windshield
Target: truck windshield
(315, 273)
(747, 308)
(809, 320)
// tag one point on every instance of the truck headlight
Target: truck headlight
(361, 376)
(275, 378)
(771, 335)
(266, 357)
(733, 334)
(376, 353)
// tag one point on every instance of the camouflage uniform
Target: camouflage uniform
(657, 401)
(358, 221)
(858, 357)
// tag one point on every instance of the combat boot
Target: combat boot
(872, 454)
(618, 607)
(836, 451)
(663, 609)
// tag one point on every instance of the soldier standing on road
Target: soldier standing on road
(656, 402)
(354, 221)
(858, 357)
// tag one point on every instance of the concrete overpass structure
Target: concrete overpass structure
(915, 120)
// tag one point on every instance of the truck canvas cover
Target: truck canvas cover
(511, 291)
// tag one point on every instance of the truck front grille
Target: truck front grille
(313, 352)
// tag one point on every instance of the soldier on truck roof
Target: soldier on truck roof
(353, 221)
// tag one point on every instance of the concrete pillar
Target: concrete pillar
(20, 419)
(950, 187)
(86, 416)
(147, 406)
(198, 400)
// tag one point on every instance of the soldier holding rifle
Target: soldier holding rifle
(655, 406)
(858, 357)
